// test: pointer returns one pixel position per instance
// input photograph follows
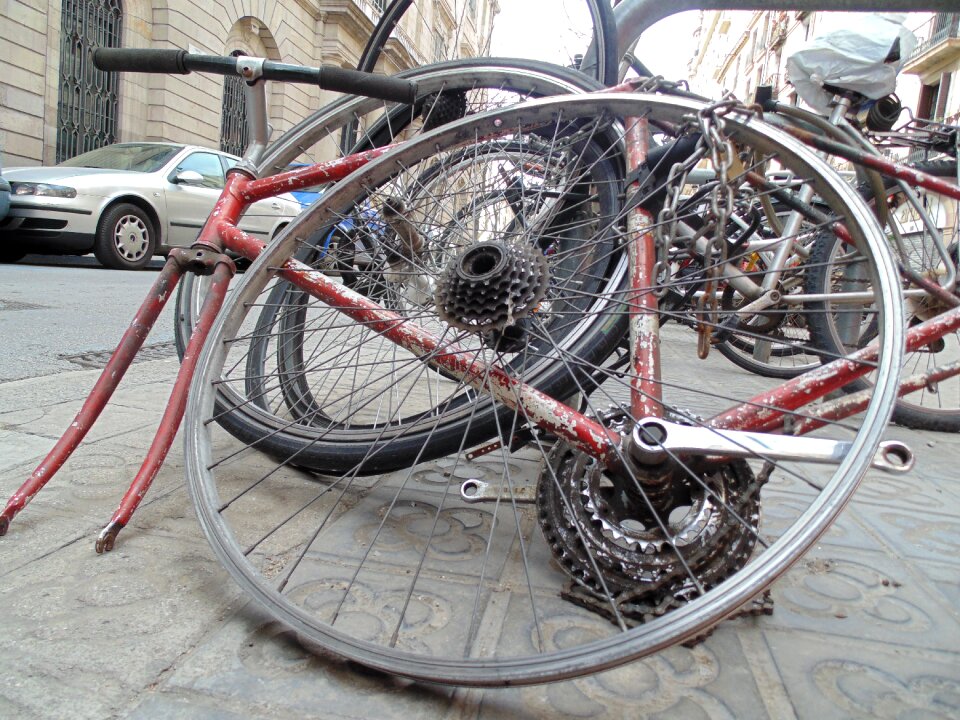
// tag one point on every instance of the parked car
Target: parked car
(4, 201)
(125, 202)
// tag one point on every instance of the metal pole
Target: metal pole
(633, 17)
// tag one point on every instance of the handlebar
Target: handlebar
(327, 77)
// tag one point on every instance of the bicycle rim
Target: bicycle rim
(401, 573)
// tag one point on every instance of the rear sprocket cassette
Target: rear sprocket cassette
(491, 285)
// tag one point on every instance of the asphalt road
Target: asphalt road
(53, 309)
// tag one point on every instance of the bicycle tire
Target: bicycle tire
(933, 408)
(514, 78)
(314, 436)
(449, 593)
(603, 40)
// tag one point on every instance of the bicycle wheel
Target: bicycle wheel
(445, 570)
(937, 405)
(593, 19)
(447, 90)
(773, 340)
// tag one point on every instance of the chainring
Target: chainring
(625, 558)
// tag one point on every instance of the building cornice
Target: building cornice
(311, 7)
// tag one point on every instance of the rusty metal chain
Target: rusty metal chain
(722, 156)
(665, 229)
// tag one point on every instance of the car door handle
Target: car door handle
(275, 205)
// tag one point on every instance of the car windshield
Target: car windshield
(138, 157)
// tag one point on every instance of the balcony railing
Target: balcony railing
(941, 27)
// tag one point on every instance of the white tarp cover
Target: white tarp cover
(851, 57)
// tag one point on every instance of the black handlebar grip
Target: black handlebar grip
(355, 82)
(140, 60)
(328, 77)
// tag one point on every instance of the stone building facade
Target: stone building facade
(47, 84)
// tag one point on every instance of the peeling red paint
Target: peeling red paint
(106, 384)
(646, 398)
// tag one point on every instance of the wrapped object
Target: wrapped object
(864, 57)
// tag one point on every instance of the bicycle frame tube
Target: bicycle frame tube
(645, 388)
(764, 411)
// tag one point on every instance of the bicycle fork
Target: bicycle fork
(205, 257)
(200, 259)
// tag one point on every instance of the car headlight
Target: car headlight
(43, 190)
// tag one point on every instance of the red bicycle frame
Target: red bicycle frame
(763, 412)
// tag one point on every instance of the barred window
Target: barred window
(233, 114)
(87, 100)
(439, 47)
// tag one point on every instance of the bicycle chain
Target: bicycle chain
(715, 255)
(665, 229)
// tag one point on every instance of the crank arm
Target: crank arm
(473, 491)
(654, 440)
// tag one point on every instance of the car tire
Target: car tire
(125, 239)
(11, 254)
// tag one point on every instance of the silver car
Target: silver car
(125, 202)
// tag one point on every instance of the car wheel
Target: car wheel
(125, 238)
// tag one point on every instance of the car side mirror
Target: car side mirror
(188, 177)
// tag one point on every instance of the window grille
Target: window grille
(439, 47)
(87, 101)
(233, 114)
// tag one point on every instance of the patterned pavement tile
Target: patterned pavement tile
(82, 634)
(116, 421)
(866, 626)
(17, 446)
(862, 595)
(913, 492)
(79, 500)
(916, 535)
(855, 678)
(256, 664)
(710, 680)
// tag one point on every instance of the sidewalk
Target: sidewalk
(868, 625)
